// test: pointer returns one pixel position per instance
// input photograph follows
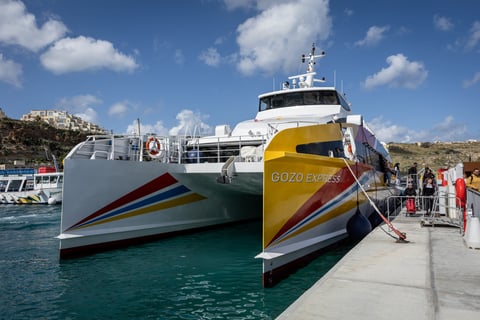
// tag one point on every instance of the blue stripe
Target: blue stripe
(324, 208)
(154, 199)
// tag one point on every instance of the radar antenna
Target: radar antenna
(306, 80)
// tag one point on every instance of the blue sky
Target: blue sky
(411, 68)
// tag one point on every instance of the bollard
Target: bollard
(472, 234)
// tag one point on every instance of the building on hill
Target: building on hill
(62, 120)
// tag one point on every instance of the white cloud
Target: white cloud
(239, 4)
(474, 37)
(82, 106)
(388, 132)
(447, 130)
(157, 128)
(118, 109)
(190, 123)
(442, 23)
(89, 114)
(83, 53)
(374, 35)
(179, 57)
(400, 73)
(283, 30)
(473, 81)
(210, 57)
(348, 12)
(18, 27)
(10, 72)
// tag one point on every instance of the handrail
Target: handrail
(174, 149)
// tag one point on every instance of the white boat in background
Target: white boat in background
(31, 186)
(290, 163)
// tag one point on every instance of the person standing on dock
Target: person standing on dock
(412, 175)
(473, 182)
(396, 169)
(428, 192)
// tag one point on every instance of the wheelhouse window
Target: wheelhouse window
(327, 148)
(303, 98)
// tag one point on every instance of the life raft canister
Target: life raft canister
(460, 190)
(461, 198)
(153, 146)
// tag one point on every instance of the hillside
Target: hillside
(29, 141)
(34, 142)
(433, 155)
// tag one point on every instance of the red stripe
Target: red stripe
(158, 183)
(323, 195)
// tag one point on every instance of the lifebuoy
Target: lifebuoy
(153, 147)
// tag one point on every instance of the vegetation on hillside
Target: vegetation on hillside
(434, 155)
(34, 142)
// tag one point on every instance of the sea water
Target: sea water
(205, 275)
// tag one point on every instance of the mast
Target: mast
(307, 79)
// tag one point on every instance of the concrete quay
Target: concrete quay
(433, 276)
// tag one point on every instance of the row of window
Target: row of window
(335, 149)
(303, 98)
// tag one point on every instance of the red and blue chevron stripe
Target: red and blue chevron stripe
(160, 193)
(327, 197)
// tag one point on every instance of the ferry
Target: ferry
(31, 186)
(299, 165)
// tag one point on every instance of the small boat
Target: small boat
(299, 164)
(31, 186)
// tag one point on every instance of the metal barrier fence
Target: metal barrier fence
(444, 210)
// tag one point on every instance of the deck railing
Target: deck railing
(172, 149)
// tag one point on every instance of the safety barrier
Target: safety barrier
(444, 210)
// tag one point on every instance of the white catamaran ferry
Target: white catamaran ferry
(31, 186)
(298, 164)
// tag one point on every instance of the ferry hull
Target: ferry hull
(51, 196)
(26, 186)
(309, 199)
(141, 201)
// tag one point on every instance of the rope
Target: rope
(401, 235)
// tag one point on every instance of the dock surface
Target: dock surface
(433, 276)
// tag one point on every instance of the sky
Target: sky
(410, 67)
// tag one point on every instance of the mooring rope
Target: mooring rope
(401, 235)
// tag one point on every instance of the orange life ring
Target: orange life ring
(153, 146)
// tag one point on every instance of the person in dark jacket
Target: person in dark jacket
(428, 174)
(412, 175)
(396, 169)
(428, 192)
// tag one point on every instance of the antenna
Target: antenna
(306, 80)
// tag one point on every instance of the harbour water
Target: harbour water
(205, 275)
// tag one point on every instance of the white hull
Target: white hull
(174, 198)
(45, 196)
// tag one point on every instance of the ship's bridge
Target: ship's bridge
(302, 102)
